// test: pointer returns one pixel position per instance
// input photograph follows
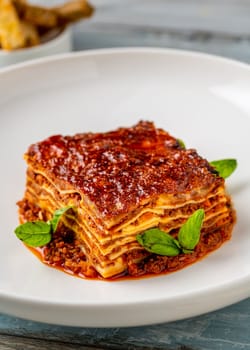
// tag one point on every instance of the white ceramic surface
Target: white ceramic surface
(201, 99)
(60, 44)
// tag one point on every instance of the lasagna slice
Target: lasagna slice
(121, 183)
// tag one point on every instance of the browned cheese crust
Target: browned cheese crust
(120, 170)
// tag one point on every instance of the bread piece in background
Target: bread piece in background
(62, 15)
(73, 11)
(24, 25)
(30, 33)
(36, 15)
(11, 35)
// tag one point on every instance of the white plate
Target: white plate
(201, 99)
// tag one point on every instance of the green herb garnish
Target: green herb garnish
(189, 234)
(57, 216)
(34, 234)
(224, 167)
(39, 233)
(156, 241)
(159, 242)
(181, 143)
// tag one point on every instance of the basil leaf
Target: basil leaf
(187, 251)
(39, 233)
(34, 234)
(140, 240)
(189, 234)
(155, 235)
(181, 143)
(159, 242)
(225, 167)
(163, 249)
(57, 216)
(177, 243)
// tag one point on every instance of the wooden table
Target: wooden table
(217, 27)
(227, 329)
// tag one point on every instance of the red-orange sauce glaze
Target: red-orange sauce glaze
(66, 256)
(64, 253)
(123, 167)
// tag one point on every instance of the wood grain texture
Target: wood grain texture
(22, 343)
(216, 27)
(227, 329)
(224, 16)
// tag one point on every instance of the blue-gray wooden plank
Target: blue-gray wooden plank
(217, 27)
(224, 16)
(226, 329)
(235, 48)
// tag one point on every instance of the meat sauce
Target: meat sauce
(98, 166)
(65, 254)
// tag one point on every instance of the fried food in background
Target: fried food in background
(24, 25)
(30, 33)
(11, 33)
(73, 11)
(36, 15)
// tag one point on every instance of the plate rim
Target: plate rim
(123, 50)
(245, 281)
(75, 312)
